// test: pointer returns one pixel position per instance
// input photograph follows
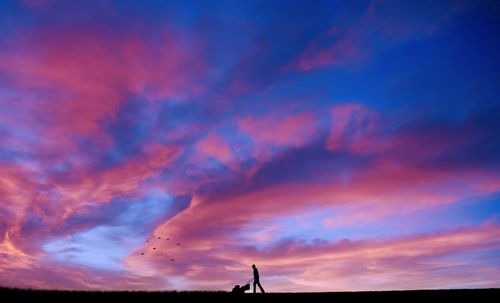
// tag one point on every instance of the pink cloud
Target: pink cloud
(409, 262)
(216, 147)
(383, 189)
(382, 24)
(274, 130)
(341, 51)
(353, 128)
(54, 199)
(42, 275)
(119, 181)
(388, 185)
(81, 77)
(292, 130)
(97, 60)
(375, 188)
(65, 85)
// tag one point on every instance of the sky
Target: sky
(337, 145)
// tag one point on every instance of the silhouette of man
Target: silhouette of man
(256, 279)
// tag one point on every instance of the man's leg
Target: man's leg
(254, 285)
(261, 289)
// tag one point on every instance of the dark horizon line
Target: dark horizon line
(2, 288)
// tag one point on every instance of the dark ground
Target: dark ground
(424, 296)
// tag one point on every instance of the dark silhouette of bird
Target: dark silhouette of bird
(168, 239)
(171, 259)
(179, 244)
(147, 241)
(159, 238)
(154, 247)
(142, 254)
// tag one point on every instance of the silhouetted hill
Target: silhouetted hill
(424, 296)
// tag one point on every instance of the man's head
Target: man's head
(253, 265)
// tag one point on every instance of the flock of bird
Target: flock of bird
(154, 248)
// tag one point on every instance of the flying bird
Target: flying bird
(142, 254)
(171, 259)
(179, 244)
(154, 247)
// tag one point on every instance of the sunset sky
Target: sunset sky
(337, 145)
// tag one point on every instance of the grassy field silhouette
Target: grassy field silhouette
(452, 295)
